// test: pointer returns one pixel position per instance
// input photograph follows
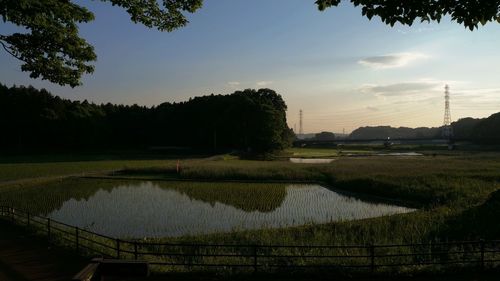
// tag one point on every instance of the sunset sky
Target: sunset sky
(343, 70)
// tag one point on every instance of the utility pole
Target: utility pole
(301, 131)
(447, 129)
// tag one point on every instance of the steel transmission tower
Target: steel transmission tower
(447, 129)
(300, 123)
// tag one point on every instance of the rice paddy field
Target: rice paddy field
(455, 194)
(154, 209)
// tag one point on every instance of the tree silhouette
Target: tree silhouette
(249, 120)
(469, 13)
(51, 47)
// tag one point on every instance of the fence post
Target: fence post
(28, 217)
(117, 248)
(482, 254)
(77, 239)
(135, 250)
(372, 256)
(12, 214)
(48, 229)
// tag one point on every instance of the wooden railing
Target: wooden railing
(266, 258)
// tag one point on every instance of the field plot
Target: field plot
(456, 195)
(138, 209)
(24, 171)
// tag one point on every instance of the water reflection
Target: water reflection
(400, 154)
(151, 209)
(311, 160)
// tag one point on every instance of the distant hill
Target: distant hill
(383, 132)
(487, 130)
(322, 136)
(305, 136)
(463, 129)
(482, 130)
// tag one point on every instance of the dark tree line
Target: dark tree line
(249, 120)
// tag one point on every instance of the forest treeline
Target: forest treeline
(249, 120)
(480, 130)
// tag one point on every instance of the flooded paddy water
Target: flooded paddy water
(305, 160)
(138, 209)
(312, 160)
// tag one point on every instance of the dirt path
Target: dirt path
(26, 257)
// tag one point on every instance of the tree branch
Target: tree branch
(8, 50)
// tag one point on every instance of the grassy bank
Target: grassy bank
(455, 193)
(426, 181)
(32, 171)
(444, 187)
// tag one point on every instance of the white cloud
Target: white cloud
(465, 101)
(391, 60)
(233, 83)
(402, 89)
(476, 98)
(264, 83)
(372, 108)
(425, 91)
(410, 30)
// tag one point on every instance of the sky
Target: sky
(343, 70)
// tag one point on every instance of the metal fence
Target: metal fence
(269, 258)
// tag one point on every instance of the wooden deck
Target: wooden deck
(25, 257)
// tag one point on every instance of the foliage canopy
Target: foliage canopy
(51, 47)
(469, 13)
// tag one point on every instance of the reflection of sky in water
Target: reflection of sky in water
(400, 154)
(311, 160)
(146, 210)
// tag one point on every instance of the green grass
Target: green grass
(425, 181)
(324, 152)
(23, 171)
(443, 187)
(455, 192)
(312, 152)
